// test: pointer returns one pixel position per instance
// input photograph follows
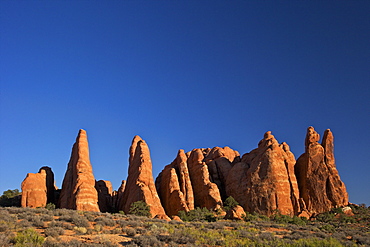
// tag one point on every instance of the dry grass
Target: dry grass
(61, 227)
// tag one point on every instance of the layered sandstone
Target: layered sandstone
(78, 188)
(174, 186)
(38, 188)
(319, 183)
(219, 161)
(206, 193)
(264, 181)
(140, 183)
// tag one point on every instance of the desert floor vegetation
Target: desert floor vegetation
(63, 227)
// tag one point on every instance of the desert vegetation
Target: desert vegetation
(200, 227)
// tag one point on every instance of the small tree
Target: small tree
(140, 208)
(230, 203)
(10, 198)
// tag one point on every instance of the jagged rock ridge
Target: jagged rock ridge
(266, 180)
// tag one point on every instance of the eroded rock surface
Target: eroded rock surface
(235, 213)
(319, 183)
(38, 188)
(264, 180)
(78, 188)
(140, 183)
(174, 186)
(206, 193)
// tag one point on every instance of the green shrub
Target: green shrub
(130, 232)
(54, 232)
(198, 214)
(28, 237)
(80, 221)
(105, 221)
(140, 208)
(230, 203)
(145, 240)
(50, 206)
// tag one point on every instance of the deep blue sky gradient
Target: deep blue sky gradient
(182, 75)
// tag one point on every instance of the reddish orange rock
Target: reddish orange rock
(264, 180)
(38, 188)
(235, 213)
(168, 188)
(140, 183)
(34, 192)
(319, 183)
(206, 193)
(174, 186)
(78, 188)
(219, 161)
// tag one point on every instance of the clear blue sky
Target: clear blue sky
(182, 75)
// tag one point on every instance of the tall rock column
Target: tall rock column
(264, 180)
(174, 186)
(78, 188)
(206, 193)
(319, 184)
(140, 183)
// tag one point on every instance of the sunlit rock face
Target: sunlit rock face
(264, 181)
(206, 193)
(140, 183)
(38, 188)
(78, 188)
(319, 183)
(174, 186)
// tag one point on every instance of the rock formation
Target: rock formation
(140, 183)
(118, 196)
(206, 193)
(264, 180)
(38, 188)
(235, 213)
(174, 186)
(219, 161)
(105, 195)
(319, 184)
(78, 188)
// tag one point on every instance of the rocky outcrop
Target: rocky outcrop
(235, 213)
(264, 180)
(219, 161)
(105, 195)
(50, 184)
(206, 193)
(38, 188)
(78, 188)
(174, 186)
(118, 196)
(140, 183)
(319, 184)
